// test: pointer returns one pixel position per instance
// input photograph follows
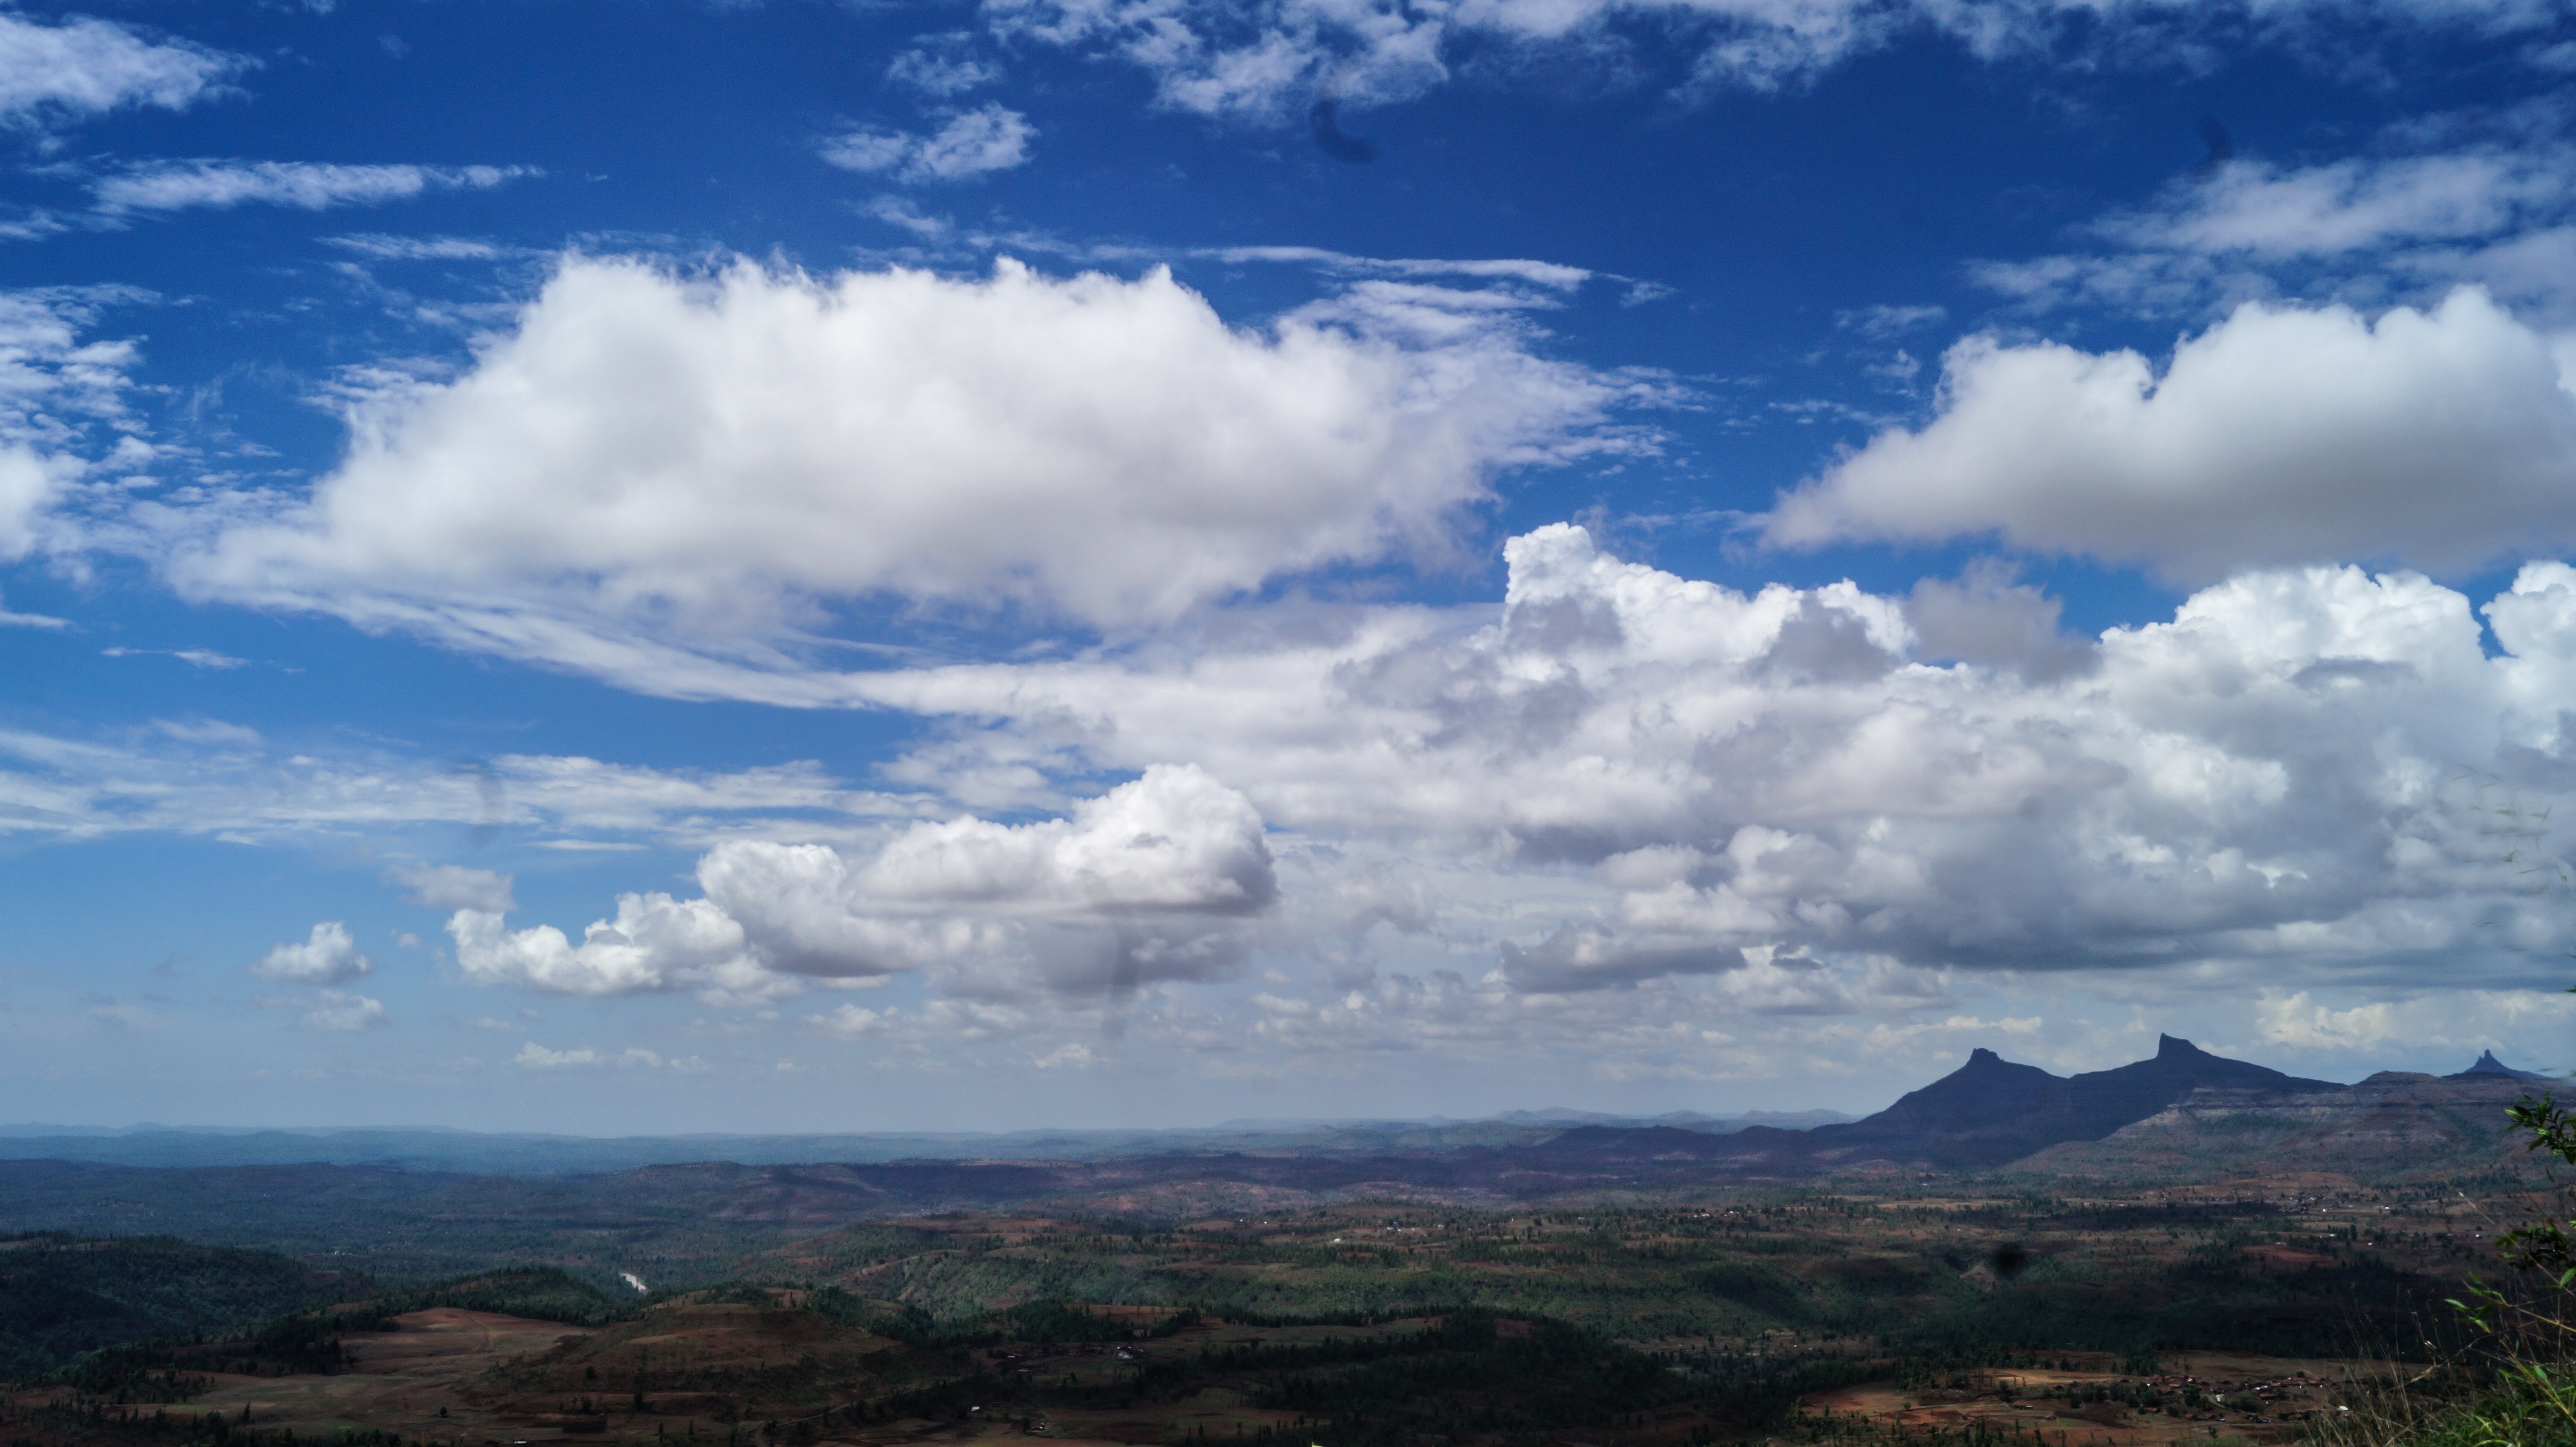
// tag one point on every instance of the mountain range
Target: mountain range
(2173, 1113)
(2181, 1112)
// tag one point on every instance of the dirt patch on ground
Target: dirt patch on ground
(2196, 1398)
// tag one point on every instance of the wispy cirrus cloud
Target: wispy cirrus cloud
(208, 778)
(1268, 62)
(193, 657)
(165, 186)
(376, 246)
(2484, 197)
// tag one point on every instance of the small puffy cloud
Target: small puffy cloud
(943, 66)
(327, 957)
(1885, 323)
(2282, 435)
(533, 1056)
(650, 469)
(973, 143)
(2302, 1024)
(1589, 958)
(455, 886)
(1144, 883)
(335, 1011)
(310, 186)
(84, 66)
(654, 943)
(901, 211)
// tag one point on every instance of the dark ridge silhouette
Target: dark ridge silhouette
(1986, 1113)
(2105, 1100)
(2490, 1068)
(1991, 1111)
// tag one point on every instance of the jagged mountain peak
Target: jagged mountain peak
(2489, 1066)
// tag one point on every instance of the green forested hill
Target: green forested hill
(61, 1295)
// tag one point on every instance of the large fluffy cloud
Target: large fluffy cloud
(2282, 435)
(649, 455)
(1631, 775)
(1143, 883)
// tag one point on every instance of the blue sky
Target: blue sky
(1133, 562)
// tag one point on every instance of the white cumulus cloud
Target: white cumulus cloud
(327, 957)
(2282, 435)
(1144, 883)
(654, 943)
(648, 463)
(1629, 775)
